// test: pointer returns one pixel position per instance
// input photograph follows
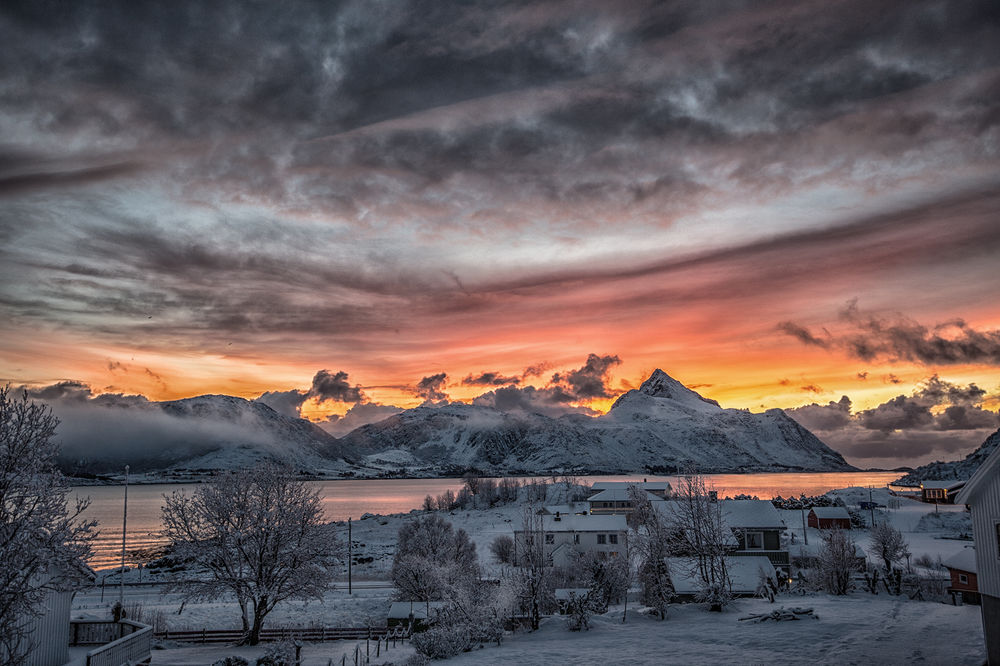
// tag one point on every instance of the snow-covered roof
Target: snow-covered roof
(743, 514)
(619, 495)
(831, 512)
(744, 574)
(964, 560)
(645, 485)
(988, 472)
(949, 484)
(401, 610)
(812, 550)
(574, 523)
(553, 509)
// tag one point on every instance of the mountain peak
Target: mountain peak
(662, 385)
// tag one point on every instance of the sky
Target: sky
(347, 208)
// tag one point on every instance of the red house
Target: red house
(964, 585)
(829, 517)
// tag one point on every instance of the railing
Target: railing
(124, 642)
(311, 634)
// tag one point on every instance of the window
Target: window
(754, 540)
(550, 538)
(602, 539)
(963, 579)
(576, 538)
(613, 538)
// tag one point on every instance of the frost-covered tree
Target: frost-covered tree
(887, 544)
(503, 549)
(534, 585)
(260, 536)
(652, 546)
(836, 561)
(433, 561)
(701, 536)
(41, 536)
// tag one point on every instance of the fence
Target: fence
(124, 642)
(311, 634)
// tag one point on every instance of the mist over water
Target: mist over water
(356, 497)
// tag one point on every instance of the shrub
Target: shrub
(503, 549)
(442, 641)
(232, 661)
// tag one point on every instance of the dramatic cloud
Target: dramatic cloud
(326, 387)
(589, 381)
(938, 418)
(490, 379)
(431, 388)
(898, 339)
(550, 401)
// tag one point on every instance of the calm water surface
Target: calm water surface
(352, 498)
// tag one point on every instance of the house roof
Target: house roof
(742, 514)
(400, 610)
(744, 574)
(645, 485)
(987, 472)
(564, 509)
(574, 523)
(964, 560)
(669, 508)
(950, 484)
(830, 512)
(619, 495)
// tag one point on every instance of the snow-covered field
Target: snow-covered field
(857, 629)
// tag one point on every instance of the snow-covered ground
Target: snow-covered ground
(859, 628)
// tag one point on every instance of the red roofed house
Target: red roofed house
(829, 517)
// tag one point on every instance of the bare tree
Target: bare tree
(652, 547)
(261, 537)
(836, 561)
(888, 544)
(41, 538)
(702, 537)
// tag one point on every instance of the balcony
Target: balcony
(117, 643)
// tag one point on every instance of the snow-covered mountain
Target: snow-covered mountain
(956, 469)
(661, 427)
(201, 433)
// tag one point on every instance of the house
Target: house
(757, 526)
(565, 537)
(406, 613)
(563, 509)
(940, 492)
(616, 501)
(829, 517)
(746, 575)
(50, 632)
(659, 488)
(806, 556)
(982, 494)
(964, 584)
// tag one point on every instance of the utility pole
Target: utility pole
(121, 591)
(871, 505)
(805, 532)
(350, 555)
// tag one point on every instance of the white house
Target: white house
(982, 494)
(566, 536)
(660, 488)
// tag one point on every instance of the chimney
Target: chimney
(557, 516)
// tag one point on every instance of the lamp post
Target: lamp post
(121, 592)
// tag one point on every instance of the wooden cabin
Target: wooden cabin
(829, 517)
(964, 582)
(940, 492)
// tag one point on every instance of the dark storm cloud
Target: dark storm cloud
(831, 416)
(358, 415)
(898, 338)
(490, 379)
(66, 390)
(550, 401)
(17, 183)
(432, 387)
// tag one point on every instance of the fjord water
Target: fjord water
(354, 497)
